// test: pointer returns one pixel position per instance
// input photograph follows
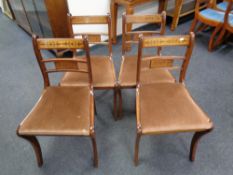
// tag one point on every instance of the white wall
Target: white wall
(102, 7)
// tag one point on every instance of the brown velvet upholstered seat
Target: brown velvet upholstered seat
(61, 111)
(128, 73)
(128, 69)
(103, 70)
(167, 107)
(100, 79)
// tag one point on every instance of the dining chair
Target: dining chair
(61, 111)
(103, 71)
(211, 16)
(227, 29)
(165, 108)
(128, 69)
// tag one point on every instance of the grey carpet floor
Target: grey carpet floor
(209, 80)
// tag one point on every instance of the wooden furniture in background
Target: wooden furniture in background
(211, 16)
(129, 6)
(164, 108)
(61, 111)
(102, 65)
(128, 69)
(45, 18)
(227, 29)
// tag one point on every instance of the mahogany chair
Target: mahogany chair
(164, 108)
(211, 16)
(228, 24)
(103, 71)
(128, 69)
(61, 111)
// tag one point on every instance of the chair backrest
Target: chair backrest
(162, 61)
(200, 4)
(132, 37)
(227, 17)
(54, 65)
(97, 38)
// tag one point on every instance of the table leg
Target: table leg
(175, 20)
(129, 11)
(114, 10)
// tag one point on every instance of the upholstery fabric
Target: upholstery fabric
(169, 108)
(128, 73)
(59, 111)
(222, 5)
(212, 14)
(103, 74)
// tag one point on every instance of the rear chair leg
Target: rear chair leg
(120, 104)
(115, 103)
(195, 140)
(136, 153)
(95, 154)
(36, 146)
(95, 107)
(211, 42)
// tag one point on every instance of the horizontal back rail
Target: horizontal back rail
(166, 41)
(53, 43)
(89, 20)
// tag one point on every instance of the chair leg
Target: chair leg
(211, 42)
(115, 103)
(195, 140)
(95, 107)
(201, 27)
(95, 154)
(36, 146)
(220, 37)
(193, 25)
(136, 153)
(119, 104)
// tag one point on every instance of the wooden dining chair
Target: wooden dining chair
(211, 16)
(61, 111)
(102, 65)
(164, 108)
(227, 29)
(128, 69)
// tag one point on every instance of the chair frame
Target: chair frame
(227, 28)
(146, 42)
(62, 65)
(95, 38)
(137, 19)
(205, 22)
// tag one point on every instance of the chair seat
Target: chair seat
(127, 77)
(222, 6)
(213, 15)
(169, 108)
(103, 74)
(59, 111)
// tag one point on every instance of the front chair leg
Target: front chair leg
(95, 154)
(195, 140)
(136, 153)
(36, 146)
(193, 25)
